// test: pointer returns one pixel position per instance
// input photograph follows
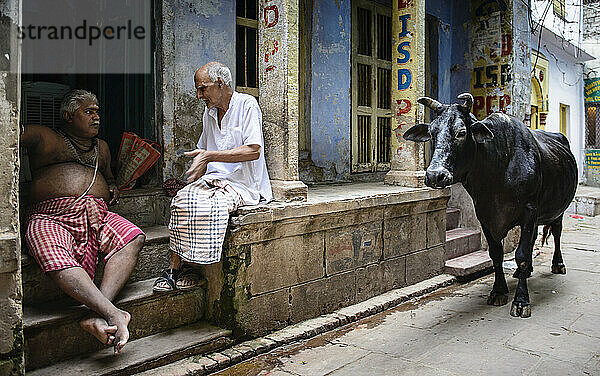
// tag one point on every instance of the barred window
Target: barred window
(371, 87)
(246, 43)
(592, 125)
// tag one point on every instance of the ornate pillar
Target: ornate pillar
(408, 83)
(278, 95)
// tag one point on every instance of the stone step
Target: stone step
(144, 353)
(461, 241)
(586, 202)
(52, 332)
(471, 263)
(153, 258)
(452, 218)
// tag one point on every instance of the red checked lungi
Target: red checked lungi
(62, 233)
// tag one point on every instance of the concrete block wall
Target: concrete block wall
(288, 264)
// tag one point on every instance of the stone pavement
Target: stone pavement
(453, 332)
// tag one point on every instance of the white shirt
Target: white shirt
(241, 125)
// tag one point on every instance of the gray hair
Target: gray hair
(75, 98)
(216, 70)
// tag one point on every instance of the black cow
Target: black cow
(514, 175)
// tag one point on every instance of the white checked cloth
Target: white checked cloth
(199, 217)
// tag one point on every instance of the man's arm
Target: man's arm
(203, 157)
(31, 138)
(107, 172)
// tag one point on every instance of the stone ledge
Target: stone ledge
(336, 198)
(304, 330)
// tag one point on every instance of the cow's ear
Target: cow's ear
(418, 133)
(481, 133)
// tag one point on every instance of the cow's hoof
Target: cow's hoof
(497, 299)
(520, 310)
(559, 269)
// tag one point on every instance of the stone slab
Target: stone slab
(285, 262)
(424, 264)
(144, 353)
(461, 241)
(151, 313)
(351, 247)
(436, 228)
(323, 296)
(379, 278)
(403, 235)
(452, 218)
(264, 313)
(469, 264)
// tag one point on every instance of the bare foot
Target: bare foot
(100, 329)
(120, 320)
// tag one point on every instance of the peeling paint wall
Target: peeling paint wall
(330, 90)
(491, 52)
(521, 62)
(11, 296)
(193, 34)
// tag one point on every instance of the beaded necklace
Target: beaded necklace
(83, 156)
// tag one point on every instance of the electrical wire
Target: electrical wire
(541, 26)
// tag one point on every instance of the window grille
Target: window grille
(592, 125)
(364, 134)
(246, 68)
(371, 86)
(41, 103)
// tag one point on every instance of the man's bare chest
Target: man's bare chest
(59, 150)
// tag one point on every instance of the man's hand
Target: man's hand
(198, 167)
(114, 194)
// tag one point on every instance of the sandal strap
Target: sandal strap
(169, 276)
(188, 271)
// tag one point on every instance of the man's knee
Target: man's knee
(138, 242)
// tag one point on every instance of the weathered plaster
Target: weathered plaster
(194, 33)
(11, 311)
(408, 83)
(278, 45)
(521, 62)
(330, 90)
(491, 41)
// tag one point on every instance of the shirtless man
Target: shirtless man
(67, 228)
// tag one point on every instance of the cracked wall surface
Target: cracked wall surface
(193, 34)
(11, 311)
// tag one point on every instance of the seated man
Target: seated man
(228, 171)
(68, 221)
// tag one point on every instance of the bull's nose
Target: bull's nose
(438, 178)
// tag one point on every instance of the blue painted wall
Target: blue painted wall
(204, 31)
(452, 50)
(195, 32)
(330, 89)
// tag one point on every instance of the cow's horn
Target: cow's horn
(431, 103)
(468, 98)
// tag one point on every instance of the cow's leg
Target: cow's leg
(523, 257)
(499, 294)
(558, 267)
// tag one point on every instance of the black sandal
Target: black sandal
(192, 274)
(169, 276)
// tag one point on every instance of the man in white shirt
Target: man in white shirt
(228, 170)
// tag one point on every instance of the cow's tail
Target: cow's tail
(546, 234)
